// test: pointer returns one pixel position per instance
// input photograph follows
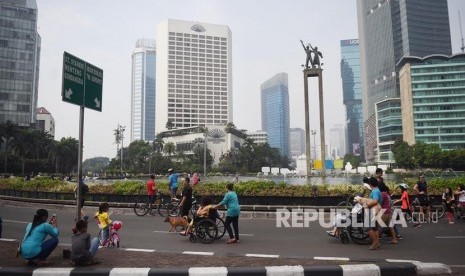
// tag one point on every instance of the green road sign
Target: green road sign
(82, 83)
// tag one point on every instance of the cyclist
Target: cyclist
(422, 189)
(173, 179)
(151, 188)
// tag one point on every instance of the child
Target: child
(104, 220)
(448, 199)
(83, 251)
(405, 201)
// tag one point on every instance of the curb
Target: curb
(398, 269)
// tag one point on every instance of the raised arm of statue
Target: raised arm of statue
(303, 44)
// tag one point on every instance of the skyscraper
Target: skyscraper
(388, 31)
(352, 95)
(143, 91)
(19, 61)
(275, 112)
(337, 142)
(297, 141)
(194, 74)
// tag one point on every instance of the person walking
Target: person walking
(34, 247)
(375, 195)
(422, 189)
(195, 179)
(186, 201)
(231, 202)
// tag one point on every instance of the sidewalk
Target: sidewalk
(128, 262)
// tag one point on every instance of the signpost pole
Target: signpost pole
(79, 184)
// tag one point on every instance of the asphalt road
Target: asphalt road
(438, 242)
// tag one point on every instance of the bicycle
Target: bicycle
(143, 206)
(113, 239)
(173, 210)
(436, 207)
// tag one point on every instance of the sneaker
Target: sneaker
(451, 222)
(417, 226)
(399, 237)
(231, 241)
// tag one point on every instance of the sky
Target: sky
(266, 38)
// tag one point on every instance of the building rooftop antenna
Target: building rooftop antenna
(461, 34)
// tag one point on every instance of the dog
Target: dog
(365, 202)
(175, 222)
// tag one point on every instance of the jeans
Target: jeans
(235, 222)
(94, 244)
(105, 233)
(46, 248)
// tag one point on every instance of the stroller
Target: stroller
(358, 234)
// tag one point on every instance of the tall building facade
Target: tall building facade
(433, 100)
(297, 141)
(143, 91)
(194, 74)
(337, 141)
(45, 121)
(388, 31)
(352, 95)
(258, 137)
(19, 61)
(275, 112)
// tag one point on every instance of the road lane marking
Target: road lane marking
(8, 240)
(331, 259)
(262, 255)
(198, 253)
(16, 221)
(450, 237)
(166, 232)
(140, 250)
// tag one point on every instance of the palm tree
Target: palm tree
(63, 154)
(8, 132)
(169, 148)
(169, 125)
(158, 144)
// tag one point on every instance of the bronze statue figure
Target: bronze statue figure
(315, 61)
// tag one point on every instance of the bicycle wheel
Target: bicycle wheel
(438, 209)
(163, 209)
(142, 207)
(221, 228)
(173, 209)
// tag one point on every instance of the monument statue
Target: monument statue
(309, 50)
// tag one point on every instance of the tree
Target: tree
(353, 159)
(63, 154)
(403, 154)
(158, 143)
(169, 148)
(169, 125)
(432, 154)
(95, 164)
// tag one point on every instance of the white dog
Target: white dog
(368, 202)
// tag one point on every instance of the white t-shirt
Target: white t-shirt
(462, 197)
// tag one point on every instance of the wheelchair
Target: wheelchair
(204, 229)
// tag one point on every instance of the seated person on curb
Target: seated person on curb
(202, 212)
(83, 250)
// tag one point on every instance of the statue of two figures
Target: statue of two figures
(315, 60)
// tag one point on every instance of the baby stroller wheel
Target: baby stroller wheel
(192, 238)
(344, 238)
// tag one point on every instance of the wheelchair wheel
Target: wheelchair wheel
(142, 207)
(359, 235)
(206, 231)
(221, 228)
(344, 238)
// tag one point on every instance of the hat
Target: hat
(170, 170)
(367, 186)
(403, 185)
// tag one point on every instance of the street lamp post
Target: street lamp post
(313, 132)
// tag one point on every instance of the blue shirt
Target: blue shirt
(31, 245)
(173, 180)
(376, 194)
(232, 204)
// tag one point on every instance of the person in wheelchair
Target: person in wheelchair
(205, 210)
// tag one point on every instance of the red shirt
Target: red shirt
(405, 200)
(151, 187)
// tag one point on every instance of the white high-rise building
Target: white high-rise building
(194, 74)
(143, 91)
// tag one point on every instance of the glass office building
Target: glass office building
(352, 95)
(297, 141)
(388, 31)
(275, 112)
(143, 91)
(433, 100)
(19, 61)
(389, 126)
